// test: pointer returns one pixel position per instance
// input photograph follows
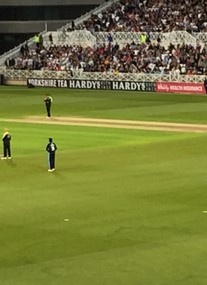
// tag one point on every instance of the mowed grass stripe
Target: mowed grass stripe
(104, 104)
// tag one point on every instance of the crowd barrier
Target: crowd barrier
(164, 87)
(92, 84)
(14, 74)
(165, 83)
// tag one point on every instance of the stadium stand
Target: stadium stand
(127, 36)
(15, 50)
(133, 58)
(150, 16)
(21, 19)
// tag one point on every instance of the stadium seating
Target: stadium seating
(135, 17)
(150, 16)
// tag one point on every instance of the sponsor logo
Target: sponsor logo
(57, 83)
(92, 84)
(175, 87)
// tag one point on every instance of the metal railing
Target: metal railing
(86, 16)
(22, 75)
(15, 51)
(122, 38)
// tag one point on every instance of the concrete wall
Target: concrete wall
(26, 25)
(16, 27)
(49, 2)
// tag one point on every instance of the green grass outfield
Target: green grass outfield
(134, 198)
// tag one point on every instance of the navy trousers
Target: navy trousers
(7, 150)
(48, 107)
(51, 160)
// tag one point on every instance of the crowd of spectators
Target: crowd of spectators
(131, 58)
(150, 16)
(146, 57)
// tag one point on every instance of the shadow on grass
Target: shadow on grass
(11, 163)
(57, 173)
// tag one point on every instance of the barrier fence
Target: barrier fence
(173, 82)
(92, 84)
(12, 74)
(164, 87)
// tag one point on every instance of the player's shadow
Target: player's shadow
(57, 174)
(11, 163)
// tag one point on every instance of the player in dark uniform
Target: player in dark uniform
(6, 144)
(48, 103)
(51, 149)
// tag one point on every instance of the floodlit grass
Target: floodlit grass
(134, 199)
(21, 101)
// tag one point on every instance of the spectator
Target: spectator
(41, 40)
(150, 16)
(36, 40)
(22, 50)
(51, 38)
(134, 57)
(148, 57)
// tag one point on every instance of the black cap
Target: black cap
(50, 139)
